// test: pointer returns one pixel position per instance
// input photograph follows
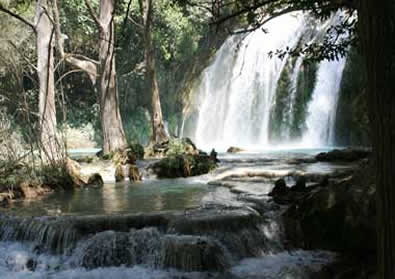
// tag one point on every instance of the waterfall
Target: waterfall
(241, 99)
(322, 108)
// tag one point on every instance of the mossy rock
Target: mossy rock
(172, 147)
(95, 180)
(181, 146)
(183, 166)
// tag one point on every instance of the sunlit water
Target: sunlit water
(146, 196)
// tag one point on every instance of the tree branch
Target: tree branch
(18, 17)
(84, 63)
(93, 15)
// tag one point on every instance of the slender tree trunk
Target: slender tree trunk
(158, 129)
(102, 73)
(377, 33)
(45, 70)
(113, 133)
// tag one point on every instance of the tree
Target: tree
(43, 28)
(376, 23)
(102, 73)
(159, 133)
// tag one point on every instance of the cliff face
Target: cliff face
(352, 122)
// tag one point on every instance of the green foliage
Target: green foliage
(180, 146)
(138, 126)
(137, 150)
(54, 176)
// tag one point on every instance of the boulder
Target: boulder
(280, 188)
(193, 253)
(74, 171)
(95, 180)
(343, 155)
(183, 166)
(234, 149)
(171, 147)
(340, 216)
(134, 174)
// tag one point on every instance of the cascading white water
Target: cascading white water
(322, 108)
(237, 92)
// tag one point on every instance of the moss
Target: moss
(183, 166)
(305, 87)
(279, 116)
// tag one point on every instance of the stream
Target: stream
(220, 225)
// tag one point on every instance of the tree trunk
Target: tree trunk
(45, 69)
(113, 133)
(159, 133)
(377, 33)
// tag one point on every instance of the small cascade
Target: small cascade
(48, 233)
(248, 99)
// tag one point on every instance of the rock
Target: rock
(171, 148)
(213, 156)
(105, 249)
(134, 174)
(193, 253)
(183, 166)
(280, 188)
(74, 170)
(300, 185)
(344, 155)
(234, 149)
(340, 216)
(119, 173)
(95, 180)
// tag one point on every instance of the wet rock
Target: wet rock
(74, 171)
(183, 166)
(95, 180)
(193, 253)
(105, 249)
(280, 188)
(341, 216)
(234, 149)
(344, 155)
(134, 174)
(213, 156)
(300, 185)
(237, 229)
(119, 173)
